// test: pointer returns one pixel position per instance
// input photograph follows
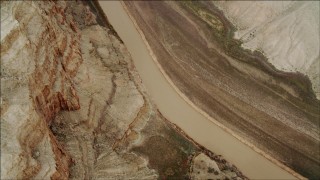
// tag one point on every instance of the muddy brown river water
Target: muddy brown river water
(180, 111)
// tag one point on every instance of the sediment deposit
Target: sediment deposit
(276, 111)
(287, 32)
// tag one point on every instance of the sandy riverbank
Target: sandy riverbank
(178, 110)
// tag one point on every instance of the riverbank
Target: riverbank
(177, 110)
(234, 90)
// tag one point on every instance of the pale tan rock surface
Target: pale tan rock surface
(205, 168)
(287, 32)
(72, 103)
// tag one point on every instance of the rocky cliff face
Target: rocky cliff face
(40, 55)
(73, 106)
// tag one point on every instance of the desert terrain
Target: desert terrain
(287, 32)
(275, 110)
(73, 105)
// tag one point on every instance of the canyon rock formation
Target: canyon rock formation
(74, 107)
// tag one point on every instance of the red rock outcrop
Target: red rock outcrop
(47, 40)
(72, 103)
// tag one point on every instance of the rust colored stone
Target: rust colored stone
(46, 92)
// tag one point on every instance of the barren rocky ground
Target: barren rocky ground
(287, 32)
(74, 107)
(277, 111)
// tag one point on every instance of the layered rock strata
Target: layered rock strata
(74, 107)
(273, 110)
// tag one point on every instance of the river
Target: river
(177, 109)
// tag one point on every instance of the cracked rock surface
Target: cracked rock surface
(74, 107)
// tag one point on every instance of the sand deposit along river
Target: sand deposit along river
(175, 108)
